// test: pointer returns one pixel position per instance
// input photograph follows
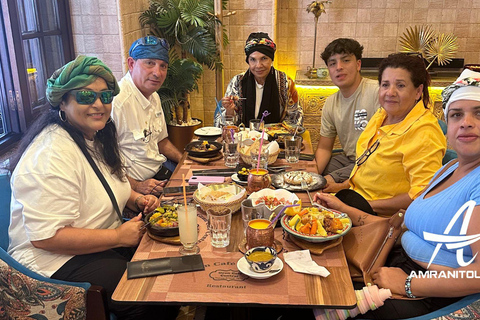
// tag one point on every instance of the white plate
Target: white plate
(208, 131)
(236, 180)
(244, 268)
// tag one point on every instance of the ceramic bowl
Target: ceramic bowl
(279, 194)
(261, 266)
(217, 147)
(159, 231)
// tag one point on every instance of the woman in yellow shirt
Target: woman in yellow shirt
(403, 145)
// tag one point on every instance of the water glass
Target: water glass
(219, 224)
(187, 227)
(293, 144)
(255, 124)
(231, 154)
(250, 211)
(263, 158)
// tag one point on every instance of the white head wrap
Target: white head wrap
(466, 87)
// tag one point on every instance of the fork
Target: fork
(305, 187)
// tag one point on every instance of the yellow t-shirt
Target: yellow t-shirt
(409, 154)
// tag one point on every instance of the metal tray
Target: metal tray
(318, 182)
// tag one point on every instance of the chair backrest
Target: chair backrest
(449, 154)
(5, 196)
(443, 126)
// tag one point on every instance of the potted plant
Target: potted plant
(189, 27)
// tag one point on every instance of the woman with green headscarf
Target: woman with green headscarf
(64, 225)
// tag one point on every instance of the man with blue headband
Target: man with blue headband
(149, 156)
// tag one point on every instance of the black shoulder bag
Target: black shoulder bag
(99, 175)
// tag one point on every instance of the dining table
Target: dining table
(221, 283)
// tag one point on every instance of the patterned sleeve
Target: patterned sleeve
(233, 89)
(294, 112)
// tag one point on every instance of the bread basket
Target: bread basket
(246, 157)
(218, 206)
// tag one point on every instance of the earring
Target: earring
(109, 120)
(64, 118)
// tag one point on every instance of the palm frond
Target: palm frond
(442, 48)
(195, 12)
(201, 45)
(182, 77)
(416, 39)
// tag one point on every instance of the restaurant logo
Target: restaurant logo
(227, 275)
(453, 242)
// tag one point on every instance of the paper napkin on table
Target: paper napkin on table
(301, 261)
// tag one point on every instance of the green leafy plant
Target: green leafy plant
(189, 27)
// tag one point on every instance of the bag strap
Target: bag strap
(99, 175)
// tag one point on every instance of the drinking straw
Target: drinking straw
(185, 198)
(232, 133)
(272, 223)
(260, 150)
(218, 109)
(295, 133)
(265, 113)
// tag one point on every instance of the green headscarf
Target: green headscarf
(77, 74)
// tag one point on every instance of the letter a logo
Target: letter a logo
(455, 242)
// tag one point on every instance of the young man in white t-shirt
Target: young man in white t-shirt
(345, 113)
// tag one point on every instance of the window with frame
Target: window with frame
(38, 36)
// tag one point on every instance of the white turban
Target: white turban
(466, 87)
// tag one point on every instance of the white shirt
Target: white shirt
(54, 186)
(140, 126)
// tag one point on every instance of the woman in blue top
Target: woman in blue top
(448, 207)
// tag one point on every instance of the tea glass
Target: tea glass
(187, 227)
(293, 144)
(250, 211)
(231, 154)
(258, 180)
(256, 124)
(263, 158)
(260, 233)
(219, 224)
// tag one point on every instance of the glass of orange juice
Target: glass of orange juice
(259, 233)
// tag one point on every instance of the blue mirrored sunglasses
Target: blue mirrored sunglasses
(84, 96)
(151, 41)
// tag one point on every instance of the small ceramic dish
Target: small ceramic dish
(261, 259)
(236, 179)
(244, 267)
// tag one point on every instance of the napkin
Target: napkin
(301, 261)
